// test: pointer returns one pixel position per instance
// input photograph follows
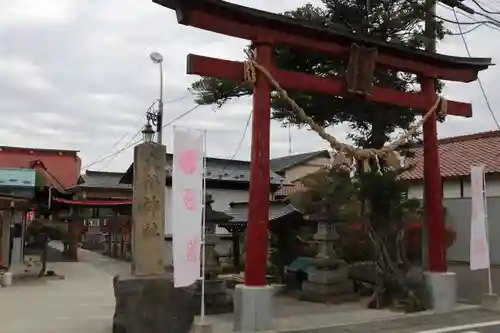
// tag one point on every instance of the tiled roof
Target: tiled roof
(100, 179)
(217, 169)
(277, 209)
(285, 162)
(458, 153)
(62, 165)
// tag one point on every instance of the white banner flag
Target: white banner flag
(479, 248)
(187, 199)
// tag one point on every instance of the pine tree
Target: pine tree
(394, 21)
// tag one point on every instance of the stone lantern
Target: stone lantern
(218, 299)
(212, 218)
(328, 280)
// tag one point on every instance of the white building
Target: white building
(457, 155)
(227, 181)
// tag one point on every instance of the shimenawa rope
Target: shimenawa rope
(345, 154)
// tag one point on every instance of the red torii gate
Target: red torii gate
(265, 30)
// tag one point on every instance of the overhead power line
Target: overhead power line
(240, 143)
(484, 9)
(465, 32)
(473, 22)
(128, 143)
(181, 116)
(176, 99)
(462, 22)
(458, 4)
(117, 142)
(467, 49)
(138, 132)
(131, 144)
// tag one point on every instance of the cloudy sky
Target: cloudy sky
(75, 74)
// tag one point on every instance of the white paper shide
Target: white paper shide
(187, 205)
(479, 247)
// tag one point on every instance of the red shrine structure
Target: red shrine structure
(266, 30)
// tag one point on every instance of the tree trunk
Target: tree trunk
(45, 252)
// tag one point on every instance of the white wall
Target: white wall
(299, 171)
(452, 188)
(221, 197)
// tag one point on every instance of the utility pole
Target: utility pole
(157, 58)
(430, 25)
(159, 116)
(430, 46)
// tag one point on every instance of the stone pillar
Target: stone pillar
(148, 213)
(328, 281)
(147, 301)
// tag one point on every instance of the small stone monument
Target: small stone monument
(328, 281)
(146, 300)
(218, 299)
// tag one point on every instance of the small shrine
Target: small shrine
(285, 246)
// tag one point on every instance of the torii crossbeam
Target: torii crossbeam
(265, 30)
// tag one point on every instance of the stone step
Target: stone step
(328, 276)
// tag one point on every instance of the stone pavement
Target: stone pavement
(81, 303)
(84, 303)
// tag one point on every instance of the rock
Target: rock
(415, 275)
(151, 305)
(218, 299)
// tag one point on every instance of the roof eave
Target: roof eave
(317, 154)
(340, 34)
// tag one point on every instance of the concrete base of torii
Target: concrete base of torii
(253, 309)
(442, 290)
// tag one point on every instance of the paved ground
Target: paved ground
(485, 327)
(462, 321)
(83, 303)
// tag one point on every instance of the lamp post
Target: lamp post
(148, 133)
(157, 58)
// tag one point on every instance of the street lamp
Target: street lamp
(148, 133)
(157, 58)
